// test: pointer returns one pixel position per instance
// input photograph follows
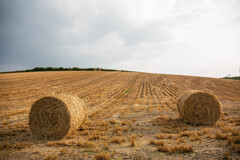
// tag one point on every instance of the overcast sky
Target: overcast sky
(187, 37)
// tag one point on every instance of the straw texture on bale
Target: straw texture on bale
(56, 117)
(199, 108)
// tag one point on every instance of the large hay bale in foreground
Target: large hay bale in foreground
(199, 108)
(56, 117)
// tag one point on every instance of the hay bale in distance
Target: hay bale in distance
(199, 108)
(56, 117)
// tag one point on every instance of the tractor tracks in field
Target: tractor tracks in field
(123, 91)
(105, 93)
(145, 90)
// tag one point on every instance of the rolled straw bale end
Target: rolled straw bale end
(199, 108)
(56, 117)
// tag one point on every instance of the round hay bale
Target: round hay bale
(56, 117)
(199, 108)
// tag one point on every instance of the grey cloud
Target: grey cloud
(150, 32)
(116, 34)
(28, 31)
(31, 34)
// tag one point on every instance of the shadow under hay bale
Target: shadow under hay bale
(199, 108)
(56, 117)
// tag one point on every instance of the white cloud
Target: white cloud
(169, 36)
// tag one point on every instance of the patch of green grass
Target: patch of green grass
(236, 78)
(130, 87)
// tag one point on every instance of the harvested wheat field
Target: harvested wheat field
(131, 115)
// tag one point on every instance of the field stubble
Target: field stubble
(131, 115)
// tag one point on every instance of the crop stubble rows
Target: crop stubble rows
(103, 91)
(107, 94)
